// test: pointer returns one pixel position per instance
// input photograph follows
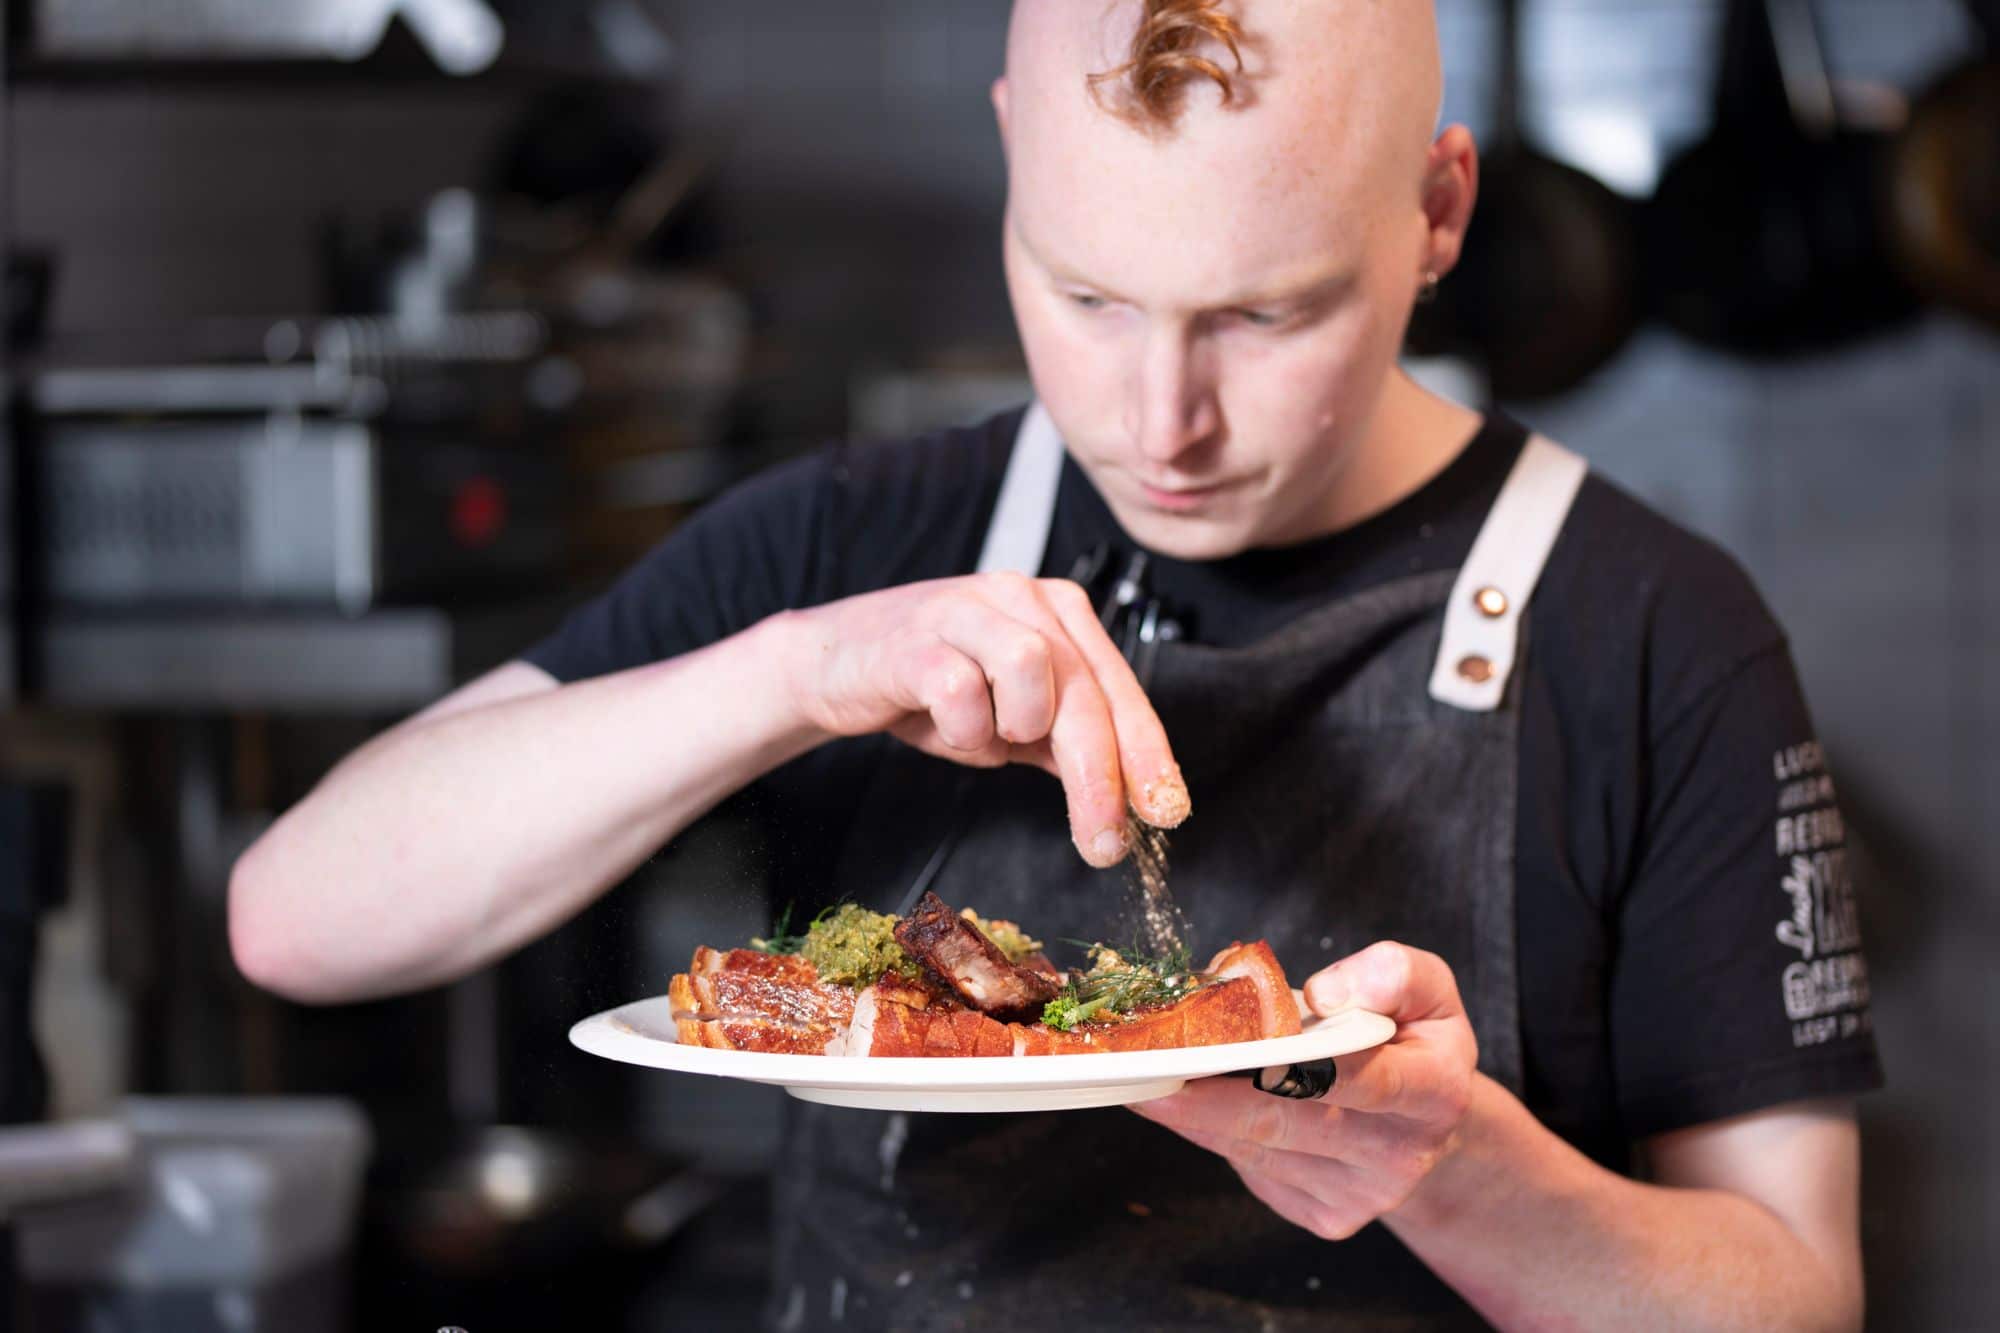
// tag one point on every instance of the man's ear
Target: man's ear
(1451, 188)
(1000, 99)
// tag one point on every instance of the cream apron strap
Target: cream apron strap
(1018, 536)
(1482, 622)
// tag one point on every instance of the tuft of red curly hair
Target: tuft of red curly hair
(1167, 57)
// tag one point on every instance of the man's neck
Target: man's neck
(1415, 436)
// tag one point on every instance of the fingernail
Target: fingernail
(1167, 803)
(1327, 992)
(1108, 846)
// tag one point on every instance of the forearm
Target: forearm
(1537, 1236)
(450, 842)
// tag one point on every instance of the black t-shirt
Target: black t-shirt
(1685, 921)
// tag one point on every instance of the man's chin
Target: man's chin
(1192, 537)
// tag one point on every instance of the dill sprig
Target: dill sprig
(1120, 982)
(782, 940)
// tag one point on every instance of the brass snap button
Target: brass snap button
(1492, 603)
(1476, 669)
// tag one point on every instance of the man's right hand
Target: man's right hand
(992, 669)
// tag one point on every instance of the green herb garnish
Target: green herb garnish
(782, 940)
(1118, 983)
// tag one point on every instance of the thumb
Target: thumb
(1408, 985)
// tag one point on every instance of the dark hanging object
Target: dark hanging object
(1546, 291)
(1768, 237)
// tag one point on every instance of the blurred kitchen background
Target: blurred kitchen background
(349, 341)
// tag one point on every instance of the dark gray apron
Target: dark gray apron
(1337, 802)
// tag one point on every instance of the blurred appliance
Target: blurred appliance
(462, 36)
(642, 364)
(234, 1216)
(397, 464)
(286, 509)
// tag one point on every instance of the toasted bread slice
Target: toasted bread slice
(1217, 1013)
(1255, 963)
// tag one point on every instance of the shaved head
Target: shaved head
(1288, 74)
(1177, 162)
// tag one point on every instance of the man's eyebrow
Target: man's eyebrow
(1305, 293)
(1060, 272)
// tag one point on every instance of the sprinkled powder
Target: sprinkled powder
(1161, 925)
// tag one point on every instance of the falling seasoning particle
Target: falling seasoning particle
(1162, 927)
(1138, 1209)
(1312, 1284)
(965, 1291)
(905, 1278)
(911, 1231)
(1326, 941)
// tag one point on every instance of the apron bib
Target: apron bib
(1338, 802)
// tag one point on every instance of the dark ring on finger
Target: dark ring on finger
(1307, 1082)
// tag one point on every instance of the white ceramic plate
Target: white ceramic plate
(643, 1033)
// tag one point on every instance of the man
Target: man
(1218, 221)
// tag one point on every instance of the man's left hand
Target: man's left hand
(1338, 1163)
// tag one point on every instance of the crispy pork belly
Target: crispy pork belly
(745, 1033)
(750, 1001)
(895, 1017)
(778, 966)
(957, 956)
(1256, 964)
(744, 1000)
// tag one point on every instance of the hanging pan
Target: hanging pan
(1767, 237)
(1546, 291)
(1944, 187)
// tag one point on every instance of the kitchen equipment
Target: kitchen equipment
(1767, 236)
(644, 1033)
(44, 1165)
(476, 1202)
(340, 463)
(1546, 291)
(237, 1219)
(281, 509)
(477, 1209)
(462, 36)
(1944, 194)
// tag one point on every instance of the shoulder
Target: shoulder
(1634, 603)
(855, 515)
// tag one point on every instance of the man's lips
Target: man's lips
(1182, 499)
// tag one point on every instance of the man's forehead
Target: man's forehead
(1300, 58)
(1282, 184)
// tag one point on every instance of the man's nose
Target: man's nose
(1173, 403)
